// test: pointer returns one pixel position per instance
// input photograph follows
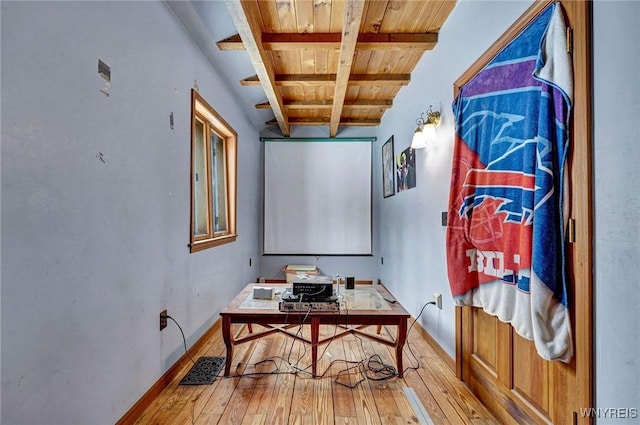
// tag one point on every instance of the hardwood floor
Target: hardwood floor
(271, 393)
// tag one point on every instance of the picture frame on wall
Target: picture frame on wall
(406, 170)
(388, 174)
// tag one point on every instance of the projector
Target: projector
(313, 288)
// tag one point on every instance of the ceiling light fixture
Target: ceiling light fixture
(426, 130)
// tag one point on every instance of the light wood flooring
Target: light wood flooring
(284, 397)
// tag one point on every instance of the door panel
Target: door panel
(515, 388)
(485, 340)
(530, 374)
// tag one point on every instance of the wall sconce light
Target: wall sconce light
(426, 130)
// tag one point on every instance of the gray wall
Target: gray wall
(616, 104)
(92, 250)
(95, 207)
(412, 240)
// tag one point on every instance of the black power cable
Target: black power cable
(409, 330)
(183, 338)
(372, 368)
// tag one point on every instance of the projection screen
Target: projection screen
(317, 196)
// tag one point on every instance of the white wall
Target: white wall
(616, 104)
(95, 207)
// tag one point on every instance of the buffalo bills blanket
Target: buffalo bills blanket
(505, 233)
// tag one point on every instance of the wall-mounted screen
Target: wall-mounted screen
(317, 196)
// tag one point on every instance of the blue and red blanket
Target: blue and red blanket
(505, 235)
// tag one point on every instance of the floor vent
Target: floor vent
(204, 371)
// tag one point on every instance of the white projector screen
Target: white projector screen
(317, 197)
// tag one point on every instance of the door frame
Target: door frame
(580, 232)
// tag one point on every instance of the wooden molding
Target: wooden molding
(245, 22)
(529, 15)
(331, 41)
(362, 122)
(582, 207)
(459, 369)
(152, 393)
(326, 104)
(294, 80)
(354, 10)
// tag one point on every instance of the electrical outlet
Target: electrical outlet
(163, 319)
(437, 298)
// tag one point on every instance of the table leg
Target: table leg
(401, 338)
(315, 336)
(228, 342)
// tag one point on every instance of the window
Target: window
(213, 177)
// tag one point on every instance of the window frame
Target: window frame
(213, 124)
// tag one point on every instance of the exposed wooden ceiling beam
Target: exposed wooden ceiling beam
(350, 28)
(365, 122)
(327, 103)
(330, 79)
(246, 23)
(366, 41)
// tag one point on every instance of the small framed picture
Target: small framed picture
(388, 184)
(406, 170)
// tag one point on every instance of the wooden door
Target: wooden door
(502, 368)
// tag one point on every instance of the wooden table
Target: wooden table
(366, 305)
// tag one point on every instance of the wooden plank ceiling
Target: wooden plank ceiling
(333, 62)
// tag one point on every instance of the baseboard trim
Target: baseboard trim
(446, 358)
(152, 393)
